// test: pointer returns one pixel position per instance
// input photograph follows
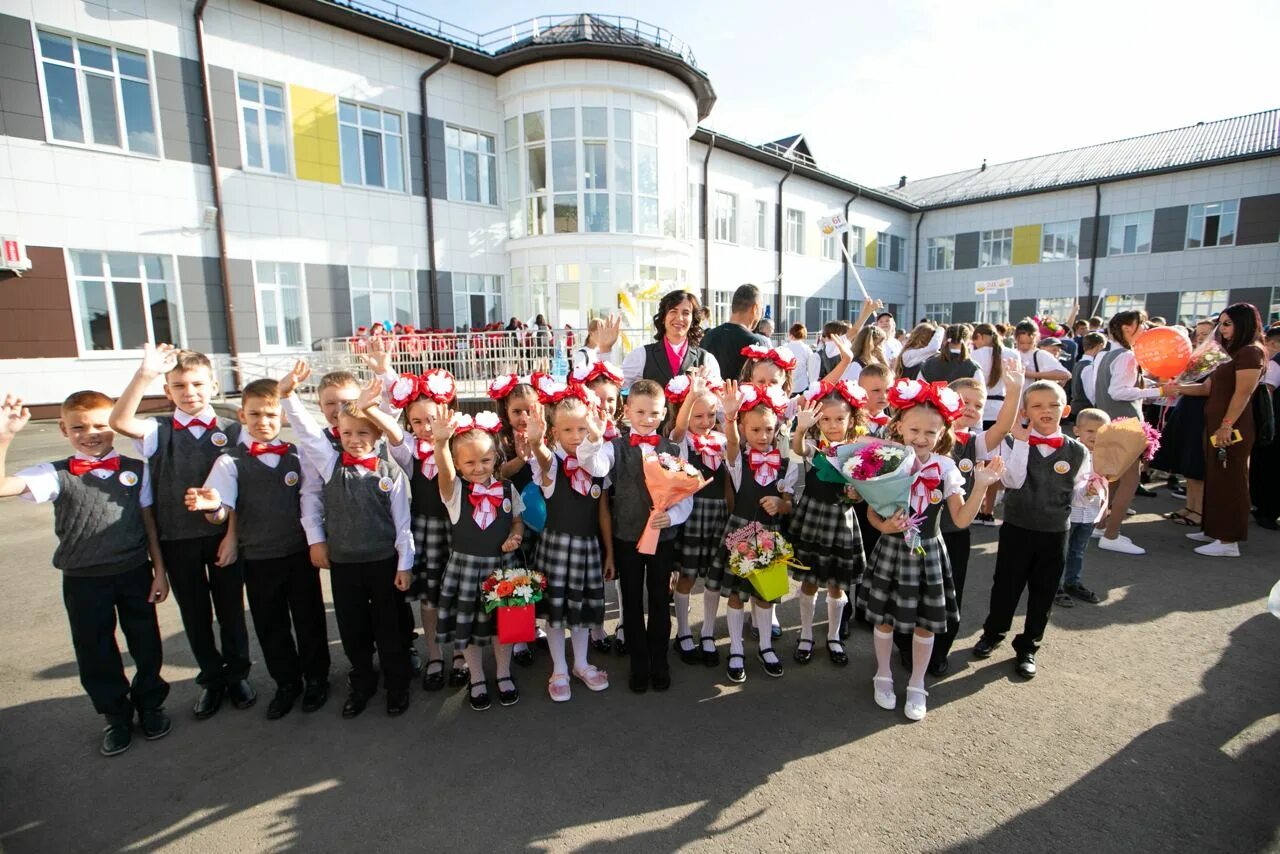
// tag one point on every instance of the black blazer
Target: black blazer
(658, 369)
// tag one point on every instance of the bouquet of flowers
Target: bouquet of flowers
(1121, 443)
(880, 471)
(761, 556)
(1204, 361)
(513, 592)
(669, 480)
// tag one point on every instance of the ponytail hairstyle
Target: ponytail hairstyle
(919, 337)
(957, 336)
(997, 352)
(867, 347)
(1121, 319)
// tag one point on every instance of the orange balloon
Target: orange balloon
(1162, 352)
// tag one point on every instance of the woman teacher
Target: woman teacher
(675, 350)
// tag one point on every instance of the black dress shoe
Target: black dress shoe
(1026, 666)
(397, 703)
(736, 673)
(415, 660)
(984, 647)
(604, 644)
(1144, 492)
(773, 668)
(524, 657)
(356, 701)
(638, 682)
(116, 739)
(804, 651)
(282, 703)
(660, 681)
(690, 655)
(620, 644)
(208, 703)
(511, 696)
(710, 655)
(460, 675)
(315, 694)
(939, 668)
(1264, 522)
(433, 680)
(241, 694)
(837, 654)
(155, 723)
(480, 701)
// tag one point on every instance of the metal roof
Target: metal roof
(1202, 144)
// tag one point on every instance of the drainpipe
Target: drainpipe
(844, 299)
(220, 223)
(777, 245)
(706, 233)
(1097, 230)
(433, 279)
(915, 286)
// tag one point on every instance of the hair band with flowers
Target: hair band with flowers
(908, 393)
(549, 390)
(782, 358)
(754, 396)
(485, 421)
(576, 391)
(599, 368)
(852, 393)
(436, 385)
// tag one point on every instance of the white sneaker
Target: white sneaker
(1096, 534)
(882, 686)
(915, 707)
(1200, 537)
(1121, 544)
(1217, 548)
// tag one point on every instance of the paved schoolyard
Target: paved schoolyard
(1153, 726)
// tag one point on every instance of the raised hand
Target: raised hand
(988, 473)
(203, 499)
(1014, 376)
(698, 381)
(13, 417)
(730, 399)
(441, 424)
(378, 355)
(608, 332)
(843, 346)
(806, 414)
(370, 394)
(595, 425)
(1020, 432)
(300, 373)
(158, 359)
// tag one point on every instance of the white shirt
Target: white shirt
(995, 391)
(1040, 361)
(1124, 379)
(813, 367)
(1087, 379)
(633, 365)
(1272, 376)
(891, 348)
(597, 459)
(324, 460)
(800, 376)
(42, 479)
(225, 478)
(917, 355)
(1087, 509)
(583, 356)
(454, 505)
(1015, 466)
(148, 443)
(952, 479)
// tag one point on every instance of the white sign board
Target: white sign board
(832, 224)
(991, 287)
(13, 254)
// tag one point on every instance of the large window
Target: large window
(282, 313)
(262, 126)
(1123, 302)
(1060, 241)
(891, 252)
(472, 173)
(1211, 224)
(720, 302)
(826, 311)
(98, 94)
(792, 309)
(857, 239)
(125, 300)
(1194, 306)
(941, 253)
(938, 312)
(477, 300)
(379, 293)
(793, 234)
(1056, 307)
(830, 246)
(761, 225)
(726, 217)
(1130, 234)
(996, 248)
(372, 146)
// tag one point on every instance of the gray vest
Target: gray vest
(268, 515)
(631, 502)
(1079, 395)
(1044, 501)
(357, 512)
(937, 369)
(1102, 398)
(98, 521)
(182, 462)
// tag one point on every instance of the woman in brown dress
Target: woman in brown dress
(1229, 390)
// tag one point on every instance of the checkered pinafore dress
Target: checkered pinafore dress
(429, 523)
(824, 533)
(568, 555)
(746, 509)
(702, 535)
(476, 554)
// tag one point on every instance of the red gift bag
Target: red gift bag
(515, 624)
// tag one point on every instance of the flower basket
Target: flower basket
(761, 556)
(516, 624)
(770, 582)
(512, 593)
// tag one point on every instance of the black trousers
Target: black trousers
(405, 619)
(1264, 479)
(639, 574)
(958, 547)
(1030, 560)
(93, 606)
(203, 590)
(286, 602)
(367, 605)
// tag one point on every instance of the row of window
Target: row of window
(1192, 306)
(1209, 224)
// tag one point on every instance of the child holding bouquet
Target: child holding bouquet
(909, 587)
(486, 535)
(762, 481)
(824, 528)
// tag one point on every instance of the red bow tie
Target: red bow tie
(764, 465)
(963, 436)
(257, 449)
(578, 478)
(651, 441)
(371, 463)
(427, 456)
(926, 481)
(79, 466)
(484, 503)
(878, 420)
(194, 422)
(1055, 442)
(709, 448)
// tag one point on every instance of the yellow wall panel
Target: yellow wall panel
(315, 135)
(1026, 244)
(871, 253)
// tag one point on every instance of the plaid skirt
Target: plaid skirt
(701, 536)
(826, 539)
(463, 619)
(718, 575)
(430, 554)
(575, 580)
(906, 590)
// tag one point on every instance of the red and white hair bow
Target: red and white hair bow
(757, 395)
(782, 358)
(908, 393)
(550, 391)
(427, 458)
(599, 368)
(484, 504)
(677, 388)
(764, 465)
(852, 393)
(710, 447)
(485, 421)
(436, 385)
(579, 479)
(926, 480)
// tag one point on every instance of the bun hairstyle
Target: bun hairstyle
(1121, 319)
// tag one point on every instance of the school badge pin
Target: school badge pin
(506, 505)
(966, 466)
(384, 484)
(935, 496)
(219, 439)
(1062, 467)
(595, 490)
(128, 478)
(291, 479)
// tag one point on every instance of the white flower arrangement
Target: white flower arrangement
(488, 421)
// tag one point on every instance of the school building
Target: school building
(249, 178)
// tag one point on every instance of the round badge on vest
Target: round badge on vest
(935, 496)
(595, 490)
(128, 478)
(219, 439)
(385, 484)
(966, 465)
(1062, 467)
(291, 479)
(506, 505)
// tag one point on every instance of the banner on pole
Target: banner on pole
(832, 224)
(983, 288)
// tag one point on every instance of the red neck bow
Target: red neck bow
(764, 465)
(926, 480)
(427, 456)
(879, 420)
(710, 448)
(963, 436)
(371, 463)
(650, 440)
(1054, 442)
(578, 477)
(484, 504)
(194, 422)
(257, 449)
(78, 466)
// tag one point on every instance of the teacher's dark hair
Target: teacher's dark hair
(670, 301)
(1248, 327)
(1121, 319)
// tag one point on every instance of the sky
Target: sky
(917, 88)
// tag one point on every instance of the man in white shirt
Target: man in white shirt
(891, 346)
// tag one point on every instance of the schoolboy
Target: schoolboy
(1086, 510)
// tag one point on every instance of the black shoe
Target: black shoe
(1264, 522)
(116, 739)
(804, 651)
(690, 655)
(433, 680)
(710, 655)
(773, 668)
(480, 701)
(984, 647)
(241, 694)
(415, 660)
(620, 644)
(282, 703)
(835, 651)
(1178, 491)
(508, 698)
(1062, 600)
(208, 703)
(638, 682)
(739, 673)
(524, 657)
(1144, 492)
(1026, 666)
(155, 723)
(1084, 594)
(660, 681)
(604, 644)
(939, 668)
(356, 701)
(315, 694)
(397, 703)
(459, 675)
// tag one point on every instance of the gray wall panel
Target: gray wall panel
(226, 122)
(244, 305)
(415, 154)
(1259, 220)
(21, 112)
(964, 312)
(1169, 229)
(1088, 227)
(435, 150)
(1163, 304)
(328, 300)
(181, 108)
(202, 304)
(444, 289)
(1258, 297)
(1020, 308)
(966, 257)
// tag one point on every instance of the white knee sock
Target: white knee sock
(835, 608)
(475, 663)
(682, 614)
(737, 617)
(921, 652)
(555, 645)
(710, 608)
(807, 606)
(883, 643)
(581, 640)
(763, 625)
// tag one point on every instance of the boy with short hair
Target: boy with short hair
(1045, 472)
(1086, 510)
(622, 460)
(1093, 343)
(258, 481)
(199, 556)
(875, 380)
(112, 567)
